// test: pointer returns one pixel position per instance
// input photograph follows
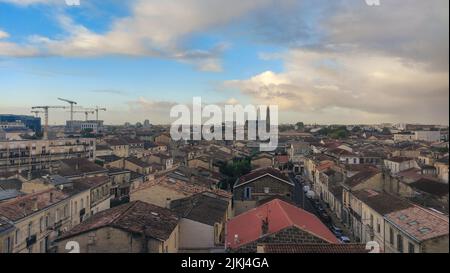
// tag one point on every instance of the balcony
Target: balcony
(31, 240)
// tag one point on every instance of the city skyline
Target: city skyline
(139, 58)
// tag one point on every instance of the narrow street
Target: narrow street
(307, 204)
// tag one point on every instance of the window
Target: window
(7, 246)
(391, 236)
(248, 193)
(30, 229)
(266, 190)
(41, 224)
(17, 236)
(400, 243)
(411, 248)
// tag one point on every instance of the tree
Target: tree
(233, 170)
(300, 125)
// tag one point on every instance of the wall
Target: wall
(195, 235)
(290, 235)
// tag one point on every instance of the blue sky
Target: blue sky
(320, 62)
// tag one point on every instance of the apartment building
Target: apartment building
(37, 155)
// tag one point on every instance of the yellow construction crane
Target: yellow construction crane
(36, 113)
(45, 108)
(98, 109)
(86, 112)
(72, 103)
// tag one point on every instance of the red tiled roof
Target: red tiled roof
(280, 215)
(420, 223)
(324, 166)
(283, 159)
(314, 248)
(21, 207)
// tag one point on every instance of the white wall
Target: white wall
(195, 235)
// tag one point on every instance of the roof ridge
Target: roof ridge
(122, 214)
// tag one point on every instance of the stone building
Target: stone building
(259, 185)
(136, 227)
(275, 222)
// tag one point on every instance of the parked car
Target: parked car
(306, 189)
(325, 217)
(336, 231)
(310, 194)
(345, 239)
(317, 203)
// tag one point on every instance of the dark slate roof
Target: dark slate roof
(5, 226)
(92, 182)
(11, 184)
(431, 186)
(201, 208)
(9, 194)
(57, 180)
(314, 248)
(116, 142)
(260, 173)
(138, 162)
(108, 158)
(381, 202)
(136, 217)
(78, 166)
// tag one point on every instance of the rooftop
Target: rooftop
(201, 208)
(313, 248)
(11, 184)
(280, 215)
(136, 217)
(431, 186)
(361, 177)
(419, 223)
(24, 206)
(381, 202)
(92, 182)
(258, 173)
(399, 159)
(78, 166)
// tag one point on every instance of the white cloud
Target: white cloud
(330, 84)
(32, 2)
(155, 28)
(3, 34)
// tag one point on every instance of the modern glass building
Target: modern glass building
(30, 122)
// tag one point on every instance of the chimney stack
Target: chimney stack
(264, 227)
(35, 204)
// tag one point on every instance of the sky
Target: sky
(320, 61)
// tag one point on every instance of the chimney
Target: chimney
(236, 239)
(168, 200)
(35, 204)
(264, 226)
